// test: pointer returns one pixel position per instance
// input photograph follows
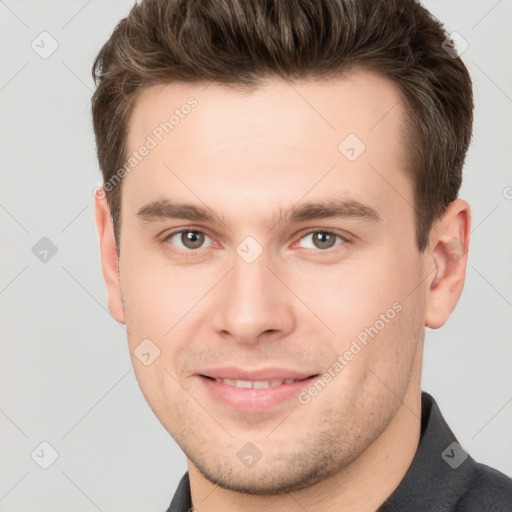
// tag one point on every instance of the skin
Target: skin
(245, 155)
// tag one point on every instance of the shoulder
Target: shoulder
(489, 490)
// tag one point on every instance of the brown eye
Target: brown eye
(190, 239)
(322, 239)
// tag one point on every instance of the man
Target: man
(278, 224)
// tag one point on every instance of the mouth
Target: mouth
(255, 393)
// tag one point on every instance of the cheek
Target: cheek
(368, 308)
(351, 296)
(154, 297)
(163, 305)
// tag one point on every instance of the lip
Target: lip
(254, 399)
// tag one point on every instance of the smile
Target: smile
(254, 395)
(256, 384)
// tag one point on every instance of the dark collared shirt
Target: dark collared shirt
(441, 478)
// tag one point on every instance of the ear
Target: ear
(449, 241)
(109, 259)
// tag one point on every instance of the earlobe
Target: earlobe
(109, 258)
(450, 239)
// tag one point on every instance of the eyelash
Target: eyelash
(194, 252)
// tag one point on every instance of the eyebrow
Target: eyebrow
(330, 208)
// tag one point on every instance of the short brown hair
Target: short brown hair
(241, 42)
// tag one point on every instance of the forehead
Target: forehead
(359, 100)
(279, 140)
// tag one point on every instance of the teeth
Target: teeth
(256, 384)
(259, 384)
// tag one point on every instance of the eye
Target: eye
(190, 239)
(323, 239)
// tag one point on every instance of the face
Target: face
(268, 258)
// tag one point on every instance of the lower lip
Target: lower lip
(251, 399)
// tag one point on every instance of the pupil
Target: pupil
(324, 240)
(192, 239)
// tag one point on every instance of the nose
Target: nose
(253, 303)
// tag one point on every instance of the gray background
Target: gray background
(65, 371)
